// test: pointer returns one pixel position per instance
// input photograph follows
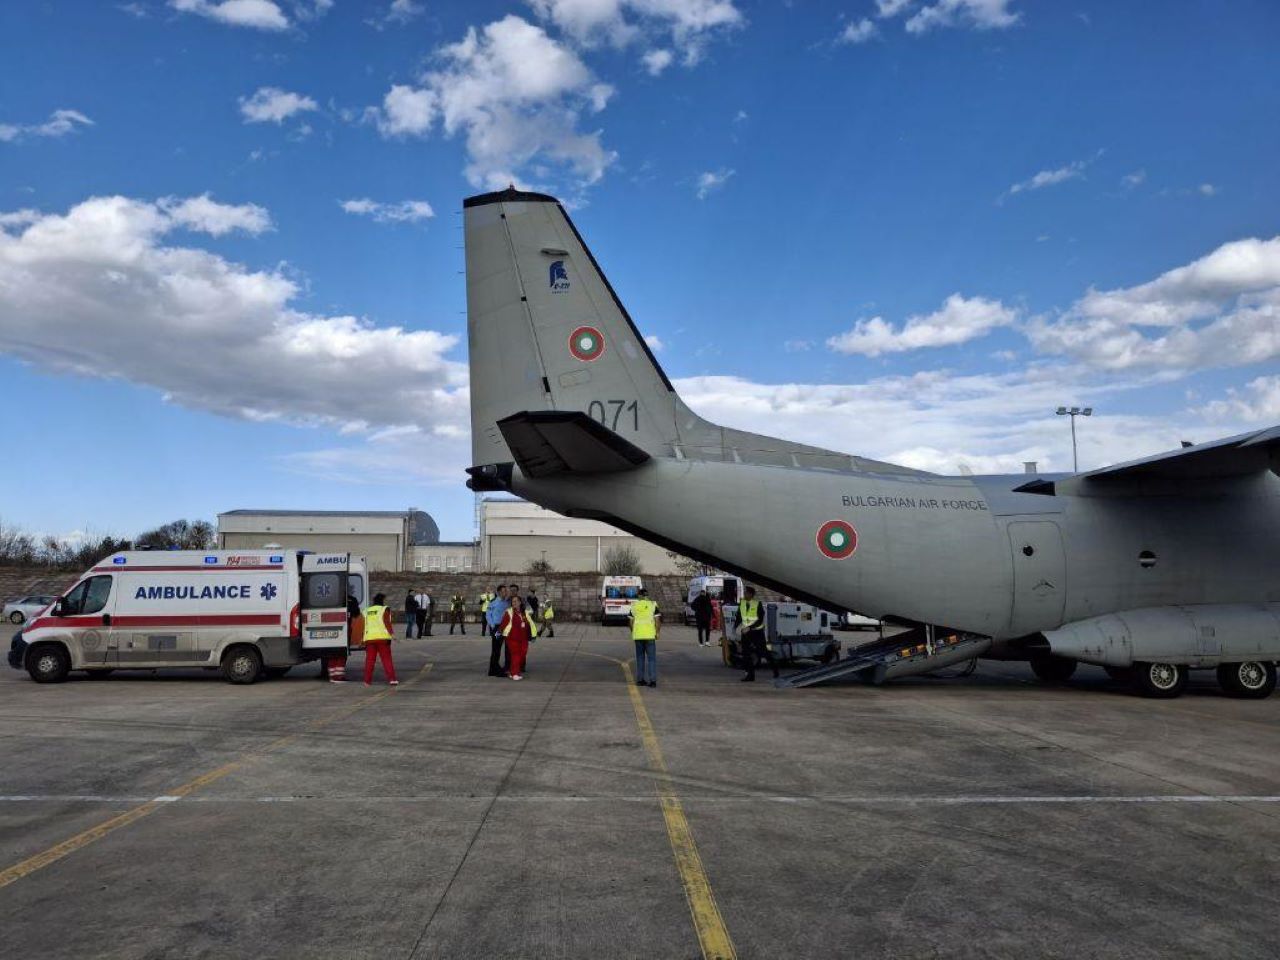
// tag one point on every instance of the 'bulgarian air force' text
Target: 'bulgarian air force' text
(912, 503)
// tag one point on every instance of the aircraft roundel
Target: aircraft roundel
(586, 343)
(837, 539)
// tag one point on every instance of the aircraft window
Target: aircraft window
(1028, 550)
(1146, 559)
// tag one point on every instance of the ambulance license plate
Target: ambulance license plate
(324, 634)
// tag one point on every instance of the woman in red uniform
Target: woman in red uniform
(519, 628)
(377, 639)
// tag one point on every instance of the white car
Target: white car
(20, 611)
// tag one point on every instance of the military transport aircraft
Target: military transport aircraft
(1148, 568)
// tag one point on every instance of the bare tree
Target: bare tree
(179, 535)
(539, 568)
(688, 567)
(620, 561)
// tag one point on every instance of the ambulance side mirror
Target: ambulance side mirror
(59, 607)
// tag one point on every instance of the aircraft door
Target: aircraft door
(323, 613)
(1039, 576)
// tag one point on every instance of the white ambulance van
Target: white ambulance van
(248, 613)
(616, 595)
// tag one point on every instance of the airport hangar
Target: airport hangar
(512, 534)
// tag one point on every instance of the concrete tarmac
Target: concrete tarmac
(464, 816)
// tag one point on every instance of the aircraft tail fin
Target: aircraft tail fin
(547, 332)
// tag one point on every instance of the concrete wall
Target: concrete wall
(381, 550)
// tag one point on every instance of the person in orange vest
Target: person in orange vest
(377, 640)
(519, 628)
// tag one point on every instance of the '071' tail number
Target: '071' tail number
(611, 413)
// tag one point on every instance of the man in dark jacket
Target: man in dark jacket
(702, 617)
(410, 614)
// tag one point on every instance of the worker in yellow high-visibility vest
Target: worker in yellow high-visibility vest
(377, 640)
(646, 625)
(751, 631)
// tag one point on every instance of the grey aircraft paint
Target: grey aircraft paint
(570, 410)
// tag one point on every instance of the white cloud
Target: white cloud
(407, 112)
(258, 14)
(958, 320)
(1207, 190)
(655, 61)
(891, 8)
(1220, 310)
(858, 31)
(1048, 178)
(655, 342)
(104, 291)
(59, 124)
(685, 24)
(273, 105)
(133, 9)
(797, 346)
(398, 14)
(403, 211)
(203, 214)
(517, 95)
(712, 180)
(1257, 402)
(1135, 179)
(979, 14)
(991, 423)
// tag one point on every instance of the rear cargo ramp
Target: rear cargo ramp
(894, 658)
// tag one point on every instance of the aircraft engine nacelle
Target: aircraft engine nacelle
(1201, 635)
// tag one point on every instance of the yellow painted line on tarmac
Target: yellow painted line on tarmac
(713, 935)
(81, 840)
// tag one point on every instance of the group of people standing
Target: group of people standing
(513, 624)
(419, 613)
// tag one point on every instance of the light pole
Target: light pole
(1074, 412)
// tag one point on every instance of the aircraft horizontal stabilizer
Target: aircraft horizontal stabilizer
(1238, 456)
(549, 442)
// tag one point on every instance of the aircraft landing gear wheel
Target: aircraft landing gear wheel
(1160, 680)
(1120, 674)
(241, 664)
(1251, 680)
(1051, 669)
(48, 663)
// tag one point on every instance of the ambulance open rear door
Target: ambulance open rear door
(323, 602)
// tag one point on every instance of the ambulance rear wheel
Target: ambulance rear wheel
(48, 663)
(242, 664)
(1251, 680)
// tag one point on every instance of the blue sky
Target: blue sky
(230, 249)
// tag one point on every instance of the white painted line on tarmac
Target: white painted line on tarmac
(928, 801)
